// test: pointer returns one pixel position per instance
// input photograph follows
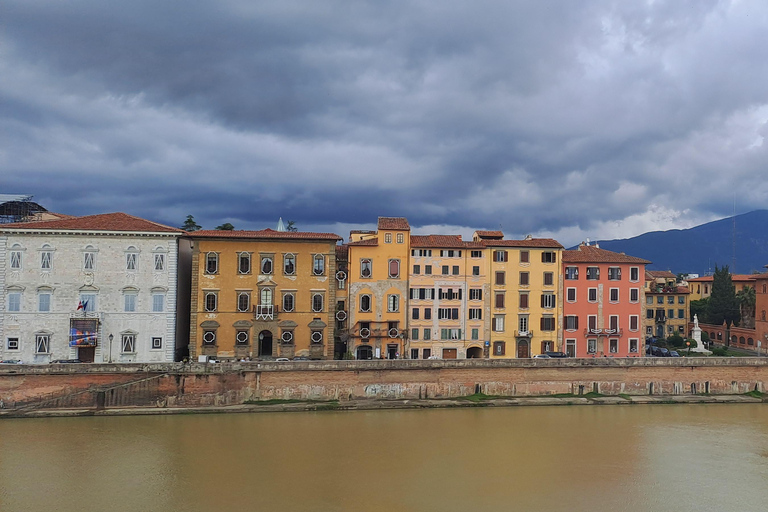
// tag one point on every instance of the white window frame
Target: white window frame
(132, 259)
(370, 303)
(215, 296)
(549, 300)
(40, 295)
(159, 262)
(568, 292)
(636, 272)
(498, 323)
(243, 257)
(91, 301)
(130, 301)
(393, 303)
(211, 256)
(46, 260)
(637, 322)
(616, 271)
(591, 345)
(13, 343)
(366, 264)
(240, 295)
(16, 261)
(637, 346)
(387, 238)
(596, 273)
(42, 340)
(155, 297)
(128, 341)
(293, 302)
(318, 270)
(156, 343)
(315, 309)
(400, 238)
(89, 261)
(636, 293)
(589, 293)
(289, 258)
(389, 268)
(267, 260)
(14, 301)
(610, 295)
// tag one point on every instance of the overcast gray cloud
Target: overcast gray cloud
(569, 119)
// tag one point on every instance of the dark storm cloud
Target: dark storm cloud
(564, 118)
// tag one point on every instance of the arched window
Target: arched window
(365, 303)
(211, 263)
(317, 302)
(211, 301)
(288, 302)
(266, 265)
(393, 303)
(266, 297)
(318, 265)
(243, 301)
(365, 268)
(394, 268)
(289, 264)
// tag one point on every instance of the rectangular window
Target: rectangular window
(634, 295)
(415, 334)
(445, 270)
(592, 322)
(499, 348)
(681, 299)
(524, 279)
(524, 301)
(128, 343)
(400, 238)
(89, 260)
(670, 300)
(44, 302)
(593, 273)
(159, 264)
(318, 265)
(46, 260)
(671, 313)
(633, 346)
(475, 271)
(428, 270)
(426, 353)
(525, 257)
(130, 302)
(634, 274)
(500, 256)
(415, 313)
(499, 303)
(211, 263)
(475, 314)
(12, 344)
(427, 314)
(634, 322)
(475, 294)
(613, 346)
(614, 322)
(157, 343)
(548, 257)
(476, 254)
(649, 313)
(15, 260)
(289, 264)
(388, 238)
(659, 300)
(244, 263)
(131, 261)
(14, 301)
(614, 273)
(417, 269)
(522, 324)
(88, 302)
(547, 323)
(592, 295)
(158, 302)
(592, 346)
(455, 270)
(571, 273)
(649, 299)
(475, 334)
(549, 279)
(498, 323)
(571, 322)
(570, 294)
(548, 300)
(614, 295)
(42, 344)
(500, 278)
(427, 335)
(680, 313)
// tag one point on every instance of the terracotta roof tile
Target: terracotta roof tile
(744, 278)
(342, 252)
(490, 234)
(657, 274)
(436, 241)
(592, 254)
(264, 233)
(545, 243)
(117, 221)
(366, 242)
(394, 223)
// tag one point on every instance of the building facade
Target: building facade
(603, 303)
(667, 305)
(263, 294)
(99, 288)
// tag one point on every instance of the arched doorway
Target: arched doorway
(474, 353)
(364, 352)
(523, 349)
(265, 343)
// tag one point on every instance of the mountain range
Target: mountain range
(700, 248)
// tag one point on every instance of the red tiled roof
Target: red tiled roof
(592, 254)
(734, 277)
(368, 241)
(264, 233)
(342, 251)
(394, 223)
(546, 243)
(117, 221)
(436, 241)
(657, 274)
(490, 234)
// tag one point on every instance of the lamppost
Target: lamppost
(689, 347)
(111, 337)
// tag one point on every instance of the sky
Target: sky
(572, 120)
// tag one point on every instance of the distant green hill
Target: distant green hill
(699, 249)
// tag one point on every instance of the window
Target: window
(681, 299)
(592, 322)
(634, 274)
(499, 303)
(593, 273)
(288, 302)
(614, 322)
(88, 301)
(289, 264)
(447, 313)
(592, 295)
(209, 338)
(365, 303)
(394, 269)
(613, 346)
(266, 264)
(500, 278)
(634, 322)
(421, 252)
(422, 293)
(415, 334)
(649, 299)
(130, 302)
(524, 279)
(393, 303)
(549, 279)
(614, 295)
(498, 323)
(317, 302)
(525, 257)
(131, 260)
(211, 263)
(475, 254)
(44, 302)
(524, 301)
(14, 301)
(499, 348)
(450, 253)
(243, 301)
(633, 344)
(671, 313)
(159, 267)
(445, 270)
(46, 260)
(547, 323)
(659, 300)
(475, 314)
(15, 260)
(475, 334)
(400, 238)
(450, 334)
(427, 336)
(634, 295)
(318, 265)
(571, 273)
(158, 302)
(614, 273)
(649, 313)
(670, 300)
(211, 301)
(157, 343)
(522, 324)
(366, 268)
(417, 269)
(475, 294)
(427, 314)
(548, 257)
(128, 343)
(12, 343)
(475, 271)
(89, 260)
(592, 346)
(241, 337)
(680, 313)
(428, 270)
(500, 256)
(548, 300)
(415, 313)
(455, 270)
(388, 238)
(42, 343)
(570, 294)
(571, 322)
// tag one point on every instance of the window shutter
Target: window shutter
(506, 256)
(455, 313)
(459, 293)
(541, 324)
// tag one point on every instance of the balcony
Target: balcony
(618, 333)
(523, 334)
(265, 312)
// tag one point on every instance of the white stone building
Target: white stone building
(99, 288)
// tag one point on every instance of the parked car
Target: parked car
(541, 356)
(556, 354)
(673, 353)
(282, 359)
(301, 358)
(663, 352)
(66, 361)
(12, 361)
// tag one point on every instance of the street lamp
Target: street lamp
(689, 347)
(111, 337)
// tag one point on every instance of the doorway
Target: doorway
(364, 352)
(449, 353)
(391, 351)
(265, 343)
(522, 349)
(474, 353)
(86, 354)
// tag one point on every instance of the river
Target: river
(572, 458)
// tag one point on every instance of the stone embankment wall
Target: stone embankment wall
(168, 385)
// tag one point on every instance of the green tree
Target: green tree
(190, 224)
(291, 226)
(723, 305)
(225, 227)
(747, 300)
(700, 308)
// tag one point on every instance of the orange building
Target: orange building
(263, 294)
(604, 300)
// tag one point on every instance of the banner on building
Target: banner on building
(83, 332)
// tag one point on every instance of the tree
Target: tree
(723, 305)
(190, 224)
(747, 300)
(291, 226)
(225, 227)
(700, 308)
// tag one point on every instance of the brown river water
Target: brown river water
(579, 458)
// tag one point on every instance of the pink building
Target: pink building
(603, 303)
